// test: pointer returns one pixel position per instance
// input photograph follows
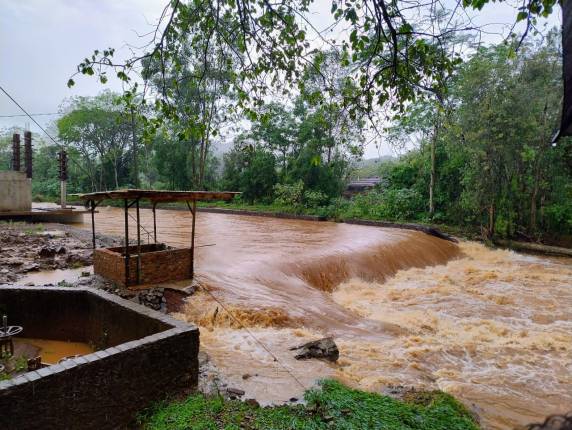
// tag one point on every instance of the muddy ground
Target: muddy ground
(26, 248)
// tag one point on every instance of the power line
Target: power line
(32, 114)
(62, 147)
(204, 288)
(31, 117)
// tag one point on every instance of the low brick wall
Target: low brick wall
(158, 264)
(150, 356)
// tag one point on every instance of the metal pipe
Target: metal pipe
(138, 243)
(194, 211)
(63, 194)
(126, 243)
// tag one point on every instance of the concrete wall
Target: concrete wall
(106, 389)
(15, 192)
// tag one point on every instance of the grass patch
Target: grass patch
(331, 406)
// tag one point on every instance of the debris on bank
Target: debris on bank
(26, 248)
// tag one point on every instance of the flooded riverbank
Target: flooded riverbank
(491, 327)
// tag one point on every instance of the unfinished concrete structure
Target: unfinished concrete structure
(151, 263)
(15, 192)
(16, 189)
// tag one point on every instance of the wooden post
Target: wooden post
(194, 212)
(92, 204)
(126, 243)
(138, 243)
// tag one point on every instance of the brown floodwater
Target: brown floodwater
(492, 327)
(52, 351)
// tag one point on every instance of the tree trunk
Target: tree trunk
(135, 155)
(433, 170)
(491, 230)
(533, 199)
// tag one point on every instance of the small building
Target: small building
(361, 186)
(138, 264)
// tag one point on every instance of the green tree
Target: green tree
(251, 171)
(100, 131)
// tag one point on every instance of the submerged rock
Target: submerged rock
(324, 348)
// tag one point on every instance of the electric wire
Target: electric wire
(259, 342)
(32, 114)
(62, 147)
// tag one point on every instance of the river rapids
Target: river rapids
(492, 327)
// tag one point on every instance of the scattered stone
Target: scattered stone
(246, 376)
(324, 348)
(235, 391)
(293, 399)
(153, 299)
(61, 250)
(30, 268)
(252, 402)
(47, 252)
(29, 284)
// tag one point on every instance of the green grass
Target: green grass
(332, 406)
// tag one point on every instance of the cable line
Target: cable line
(33, 114)
(31, 117)
(62, 147)
(259, 342)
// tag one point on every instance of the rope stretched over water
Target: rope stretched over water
(259, 342)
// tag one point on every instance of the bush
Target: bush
(314, 199)
(289, 194)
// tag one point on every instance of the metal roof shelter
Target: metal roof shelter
(132, 197)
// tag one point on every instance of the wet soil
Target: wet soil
(26, 248)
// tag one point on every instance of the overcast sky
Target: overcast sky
(42, 41)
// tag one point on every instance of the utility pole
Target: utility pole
(28, 156)
(63, 170)
(16, 152)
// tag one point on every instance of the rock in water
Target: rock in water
(324, 348)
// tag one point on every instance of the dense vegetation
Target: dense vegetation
(479, 155)
(332, 406)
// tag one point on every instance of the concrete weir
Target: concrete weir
(141, 356)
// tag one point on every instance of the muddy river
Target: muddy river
(492, 327)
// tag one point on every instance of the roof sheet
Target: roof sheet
(158, 195)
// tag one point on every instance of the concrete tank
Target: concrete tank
(15, 192)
